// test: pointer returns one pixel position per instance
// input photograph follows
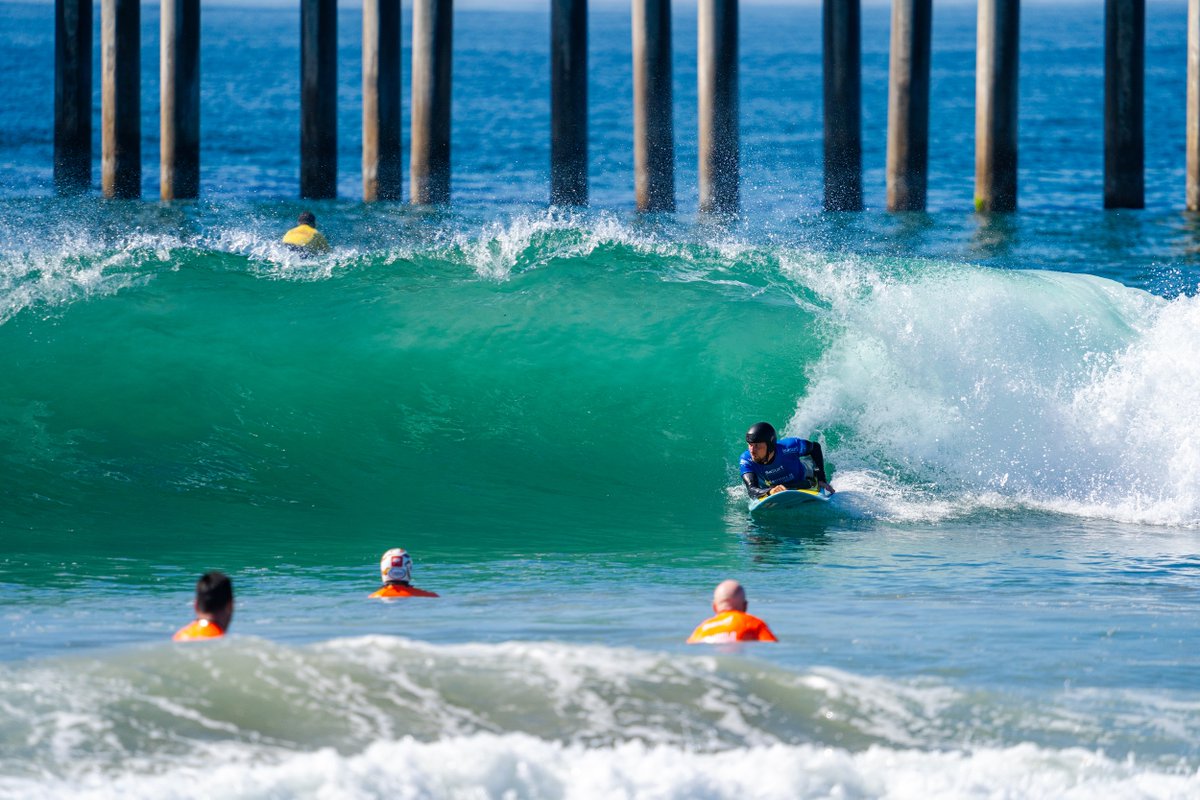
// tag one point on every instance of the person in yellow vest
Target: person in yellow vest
(305, 238)
(214, 609)
(395, 570)
(732, 623)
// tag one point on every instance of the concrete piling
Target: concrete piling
(1193, 106)
(1124, 103)
(429, 167)
(120, 98)
(717, 78)
(996, 78)
(318, 99)
(179, 93)
(568, 103)
(653, 126)
(72, 96)
(908, 105)
(841, 26)
(382, 161)
(996, 97)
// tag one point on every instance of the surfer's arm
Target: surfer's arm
(818, 460)
(750, 480)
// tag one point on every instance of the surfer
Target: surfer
(778, 464)
(305, 238)
(732, 623)
(395, 570)
(214, 609)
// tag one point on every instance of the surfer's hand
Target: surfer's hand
(825, 485)
(777, 489)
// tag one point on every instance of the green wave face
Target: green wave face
(557, 385)
(543, 388)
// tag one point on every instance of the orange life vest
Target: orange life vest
(198, 629)
(402, 590)
(732, 626)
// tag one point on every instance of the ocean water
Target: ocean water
(545, 406)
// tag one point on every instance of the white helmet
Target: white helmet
(396, 565)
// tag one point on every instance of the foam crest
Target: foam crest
(269, 257)
(165, 703)
(164, 707)
(515, 765)
(1146, 400)
(501, 247)
(1041, 389)
(498, 249)
(58, 273)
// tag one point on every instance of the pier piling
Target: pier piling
(1124, 103)
(717, 84)
(996, 75)
(318, 99)
(432, 37)
(908, 105)
(120, 98)
(382, 162)
(179, 92)
(72, 96)
(653, 127)
(1193, 106)
(568, 103)
(841, 28)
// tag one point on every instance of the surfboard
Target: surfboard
(787, 500)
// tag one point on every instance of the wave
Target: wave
(1013, 389)
(940, 389)
(384, 715)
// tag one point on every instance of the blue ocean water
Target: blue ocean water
(500, 150)
(545, 407)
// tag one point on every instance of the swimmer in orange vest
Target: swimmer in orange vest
(214, 609)
(395, 570)
(732, 623)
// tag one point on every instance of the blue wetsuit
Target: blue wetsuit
(785, 468)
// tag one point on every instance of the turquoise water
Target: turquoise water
(546, 409)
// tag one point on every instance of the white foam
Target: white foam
(269, 257)
(380, 715)
(1037, 389)
(518, 766)
(501, 247)
(57, 273)
(531, 241)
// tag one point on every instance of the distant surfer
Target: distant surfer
(214, 609)
(305, 239)
(732, 623)
(395, 570)
(777, 464)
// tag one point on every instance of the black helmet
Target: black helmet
(761, 432)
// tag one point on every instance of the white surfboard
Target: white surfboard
(787, 500)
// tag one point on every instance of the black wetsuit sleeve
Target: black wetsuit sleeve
(752, 488)
(818, 459)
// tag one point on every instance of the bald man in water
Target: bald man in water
(732, 623)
